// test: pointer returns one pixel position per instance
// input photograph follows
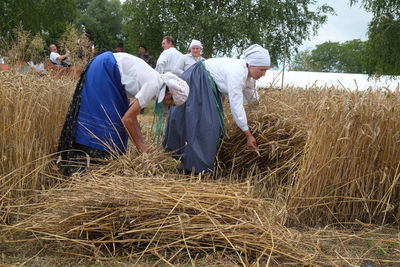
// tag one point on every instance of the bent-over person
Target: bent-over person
(100, 118)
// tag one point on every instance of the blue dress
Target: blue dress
(104, 102)
(194, 129)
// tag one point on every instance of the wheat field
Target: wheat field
(321, 191)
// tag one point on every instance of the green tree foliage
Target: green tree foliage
(103, 19)
(302, 61)
(353, 55)
(49, 17)
(380, 7)
(325, 57)
(143, 26)
(384, 46)
(384, 36)
(348, 57)
(223, 26)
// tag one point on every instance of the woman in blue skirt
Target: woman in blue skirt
(100, 117)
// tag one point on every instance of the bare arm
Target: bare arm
(63, 57)
(132, 126)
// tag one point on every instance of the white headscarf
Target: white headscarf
(256, 55)
(195, 43)
(178, 87)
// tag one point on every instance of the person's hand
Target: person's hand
(251, 143)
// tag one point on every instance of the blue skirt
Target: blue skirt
(104, 102)
(193, 130)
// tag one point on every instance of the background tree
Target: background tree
(348, 57)
(49, 17)
(103, 19)
(352, 57)
(384, 36)
(325, 57)
(223, 26)
(302, 61)
(143, 26)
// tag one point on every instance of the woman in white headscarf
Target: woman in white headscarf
(193, 130)
(185, 61)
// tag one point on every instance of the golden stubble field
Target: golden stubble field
(322, 190)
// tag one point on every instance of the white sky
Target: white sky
(349, 23)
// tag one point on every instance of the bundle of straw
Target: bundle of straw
(279, 126)
(152, 215)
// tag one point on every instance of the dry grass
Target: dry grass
(327, 157)
(333, 153)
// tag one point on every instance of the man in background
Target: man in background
(55, 57)
(143, 54)
(119, 48)
(169, 57)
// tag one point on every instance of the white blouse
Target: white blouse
(139, 79)
(184, 63)
(230, 76)
(167, 60)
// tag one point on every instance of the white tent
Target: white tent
(321, 79)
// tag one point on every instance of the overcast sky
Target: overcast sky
(349, 23)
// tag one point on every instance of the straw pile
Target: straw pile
(279, 123)
(149, 215)
(326, 156)
(350, 170)
(105, 214)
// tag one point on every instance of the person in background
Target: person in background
(169, 57)
(100, 118)
(119, 48)
(188, 60)
(5, 65)
(143, 54)
(55, 57)
(193, 131)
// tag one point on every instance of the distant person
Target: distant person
(169, 57)
(119, 48)
(143, 54)
(55, 57)
(5, 65)
(189, 59)
(100, 118)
